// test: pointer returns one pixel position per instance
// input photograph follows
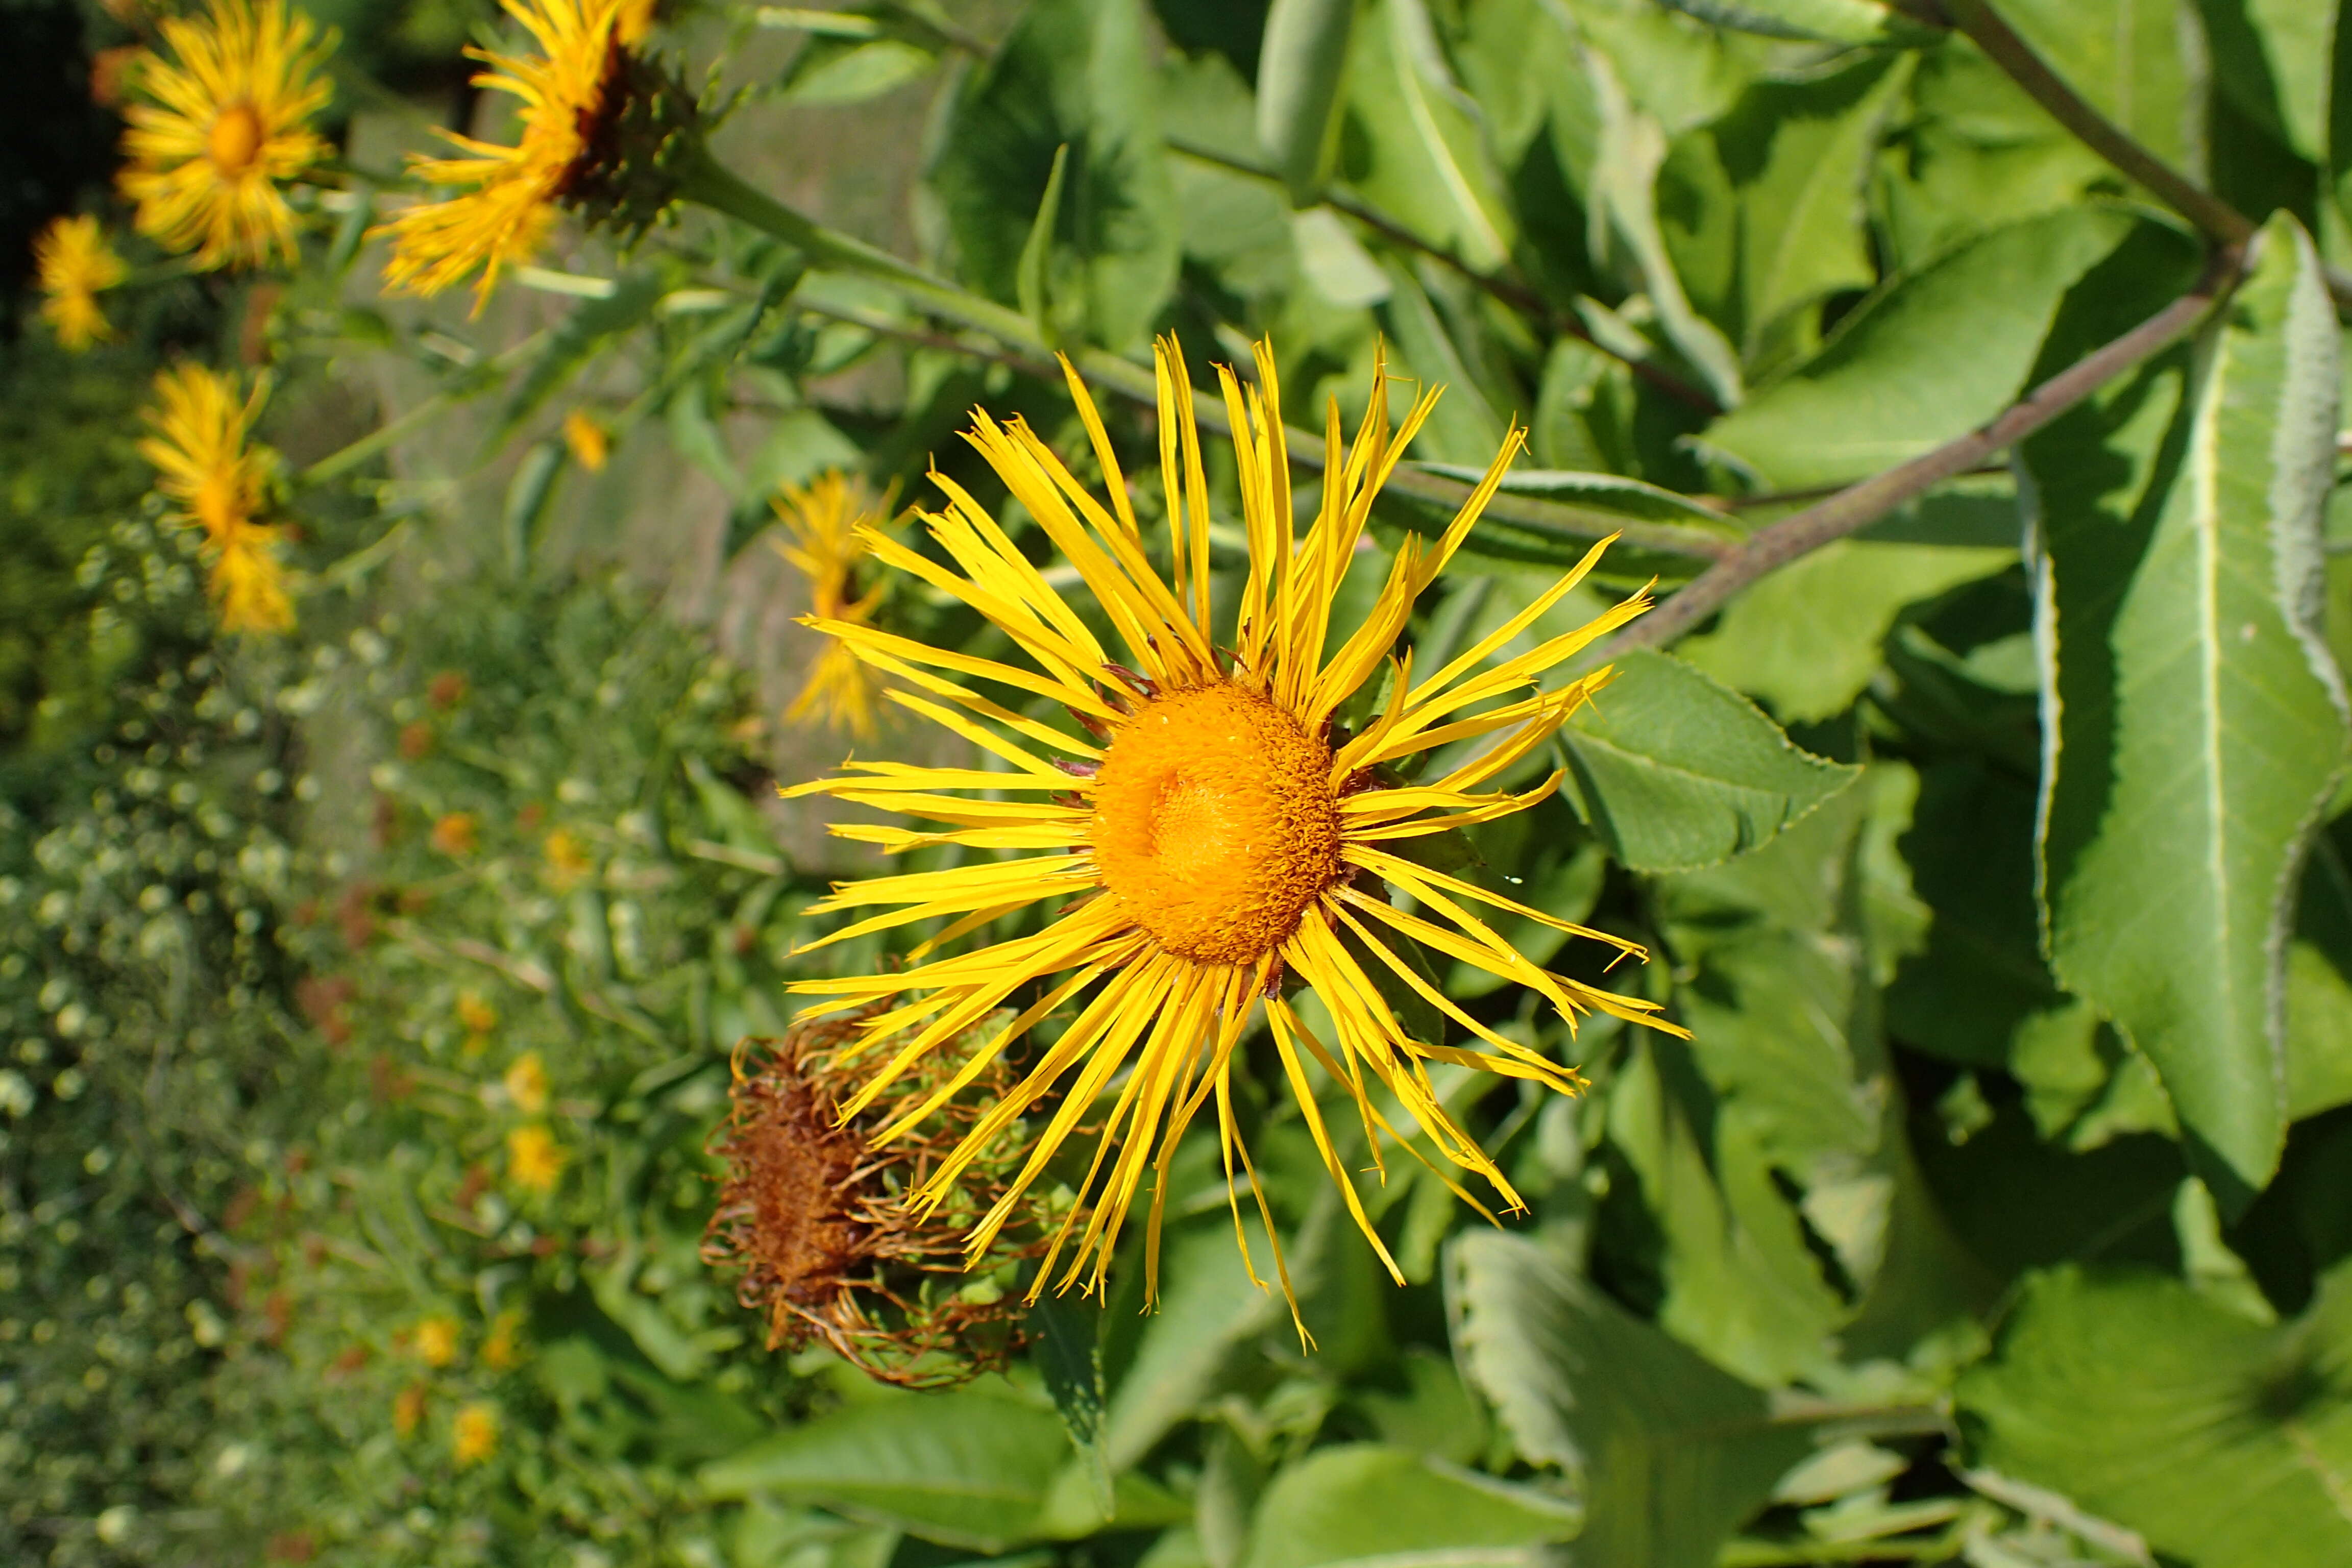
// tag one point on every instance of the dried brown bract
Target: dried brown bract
(814, 1220)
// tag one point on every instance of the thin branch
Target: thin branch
(2215, 218)
(1509, 291)
(1858, 506)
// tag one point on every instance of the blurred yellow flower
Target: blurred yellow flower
(206, 462)
(435, 1341)
(407, 1409)
(477, 1015)
(526, 1084)
(456, 833)
(512, 192)
(76, 265)
(589, 443)
(502, 1349)
(534, 1160)
(474, 1437)
(229, 119)
(829, 526)
(567, 859)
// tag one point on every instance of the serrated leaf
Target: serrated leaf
(964, 1468)
(1365, 1504)
(2200, 719)
(1676, 772)
(1930, 357)
(1300, 68)
(1669, 1453)
(2224, 1442)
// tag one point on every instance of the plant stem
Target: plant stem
(1857, 506)
(336, 464)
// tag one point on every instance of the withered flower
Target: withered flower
(815, 1220)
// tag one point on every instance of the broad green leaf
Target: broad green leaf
(1300, 68)
(2200, 718)
(846, 71)
(1069, 1352)
(1465, 427)
(1077, 74)
(1207, 1307)
(1676, 772)
(964, 1469)
(2271, 58)
(2338, 163)
(2128, 57)
(1364, 1505)
(1676, 69)
(1427, 163)
(2319, 986)
(1669, 1453)
(1806, 639)
(1825, 21)
(2224, 1443)
(1930, 357)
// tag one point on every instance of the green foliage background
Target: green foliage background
(1994, 853)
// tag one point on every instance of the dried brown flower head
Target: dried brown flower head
(813, 1218)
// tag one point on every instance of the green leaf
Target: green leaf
(2270, 57)
(2338, 163)
(1366, 1504)
(964, 1469)
(1676, 772)
(1669, 1453)
(1780, 641)
(1930, 357)
(1069, 1352)
(1825, 21)
(1300, 68)
(593, 324)
(2128, 58)
(2200, 718)
(1030, 277)
(1207, 1308)
(1627, 498)
(1077, 74)
(2222, 1442)
(839, 70)
(2319, 986)
(1427, 164)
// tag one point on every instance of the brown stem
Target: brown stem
(1857, 506)
(1508, 290)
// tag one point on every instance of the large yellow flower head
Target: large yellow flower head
(208, 463)
(825, 525)
(76, 265)
(229, 122)
(1212, 833)
(573, 92)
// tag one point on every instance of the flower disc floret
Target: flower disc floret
(1215, 824)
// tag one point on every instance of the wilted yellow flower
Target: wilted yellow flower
(478, 1017)
(229, 119)
(474, 1437)
(534, 1160)
(407, 1409)
(589, 443)
(76, 265)
(435, 1340)
(206, 462)
(568, 92)
(1229, 832)
(567, 859)
(456, 833)
(502, 1349)
(526, 1084)
(826, 526)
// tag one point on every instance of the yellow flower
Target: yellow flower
(637, 20)
(229, 122)
(526, 1083)
(567, 859)
(76, 265)
(825, 528)
(435, 1340)
(534, 1161)
(589, 443)
(1226, 829)
(408, 1409)
(206, 462)
(502, 1349)
(474, 1437)
(478, 1017)
(512, 192)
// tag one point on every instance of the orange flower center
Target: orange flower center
(235, 140)
(1215, 824)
